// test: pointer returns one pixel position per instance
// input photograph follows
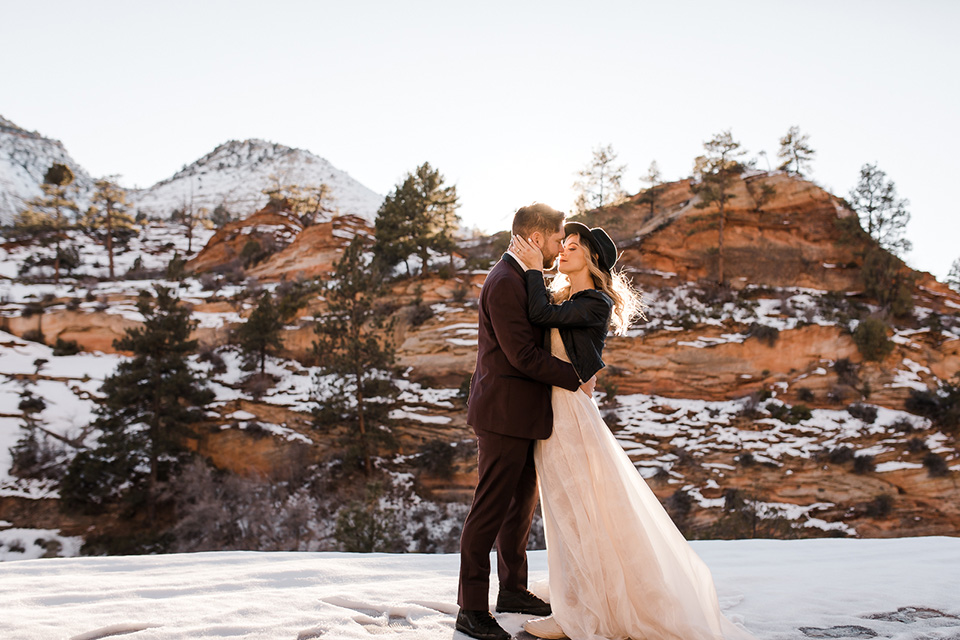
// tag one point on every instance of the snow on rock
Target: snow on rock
(777, 590)
(30, 544)
(897, 465)
(408, 413)
(909, 376)
(701, 427)
(68, 385)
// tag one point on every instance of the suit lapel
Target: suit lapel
(513, 263)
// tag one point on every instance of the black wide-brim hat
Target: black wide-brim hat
(600, 243)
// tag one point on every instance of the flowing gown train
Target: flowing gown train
(618, 566)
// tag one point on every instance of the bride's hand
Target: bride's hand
(588, 386)
(528, 252)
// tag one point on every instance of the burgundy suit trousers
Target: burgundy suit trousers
(502, 512)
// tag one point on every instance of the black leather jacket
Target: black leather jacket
(582, 322)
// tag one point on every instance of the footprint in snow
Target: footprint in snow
(391, 619)
(113, 630)
(910, 614)
(841, 631)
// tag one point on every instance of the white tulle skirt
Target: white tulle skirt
(618, 566)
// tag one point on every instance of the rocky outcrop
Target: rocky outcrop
(779, 231)
(263, 233)
(92, 330)
(313, 251)
(273, 245)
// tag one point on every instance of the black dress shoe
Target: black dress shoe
(522, 602)
(481, 625)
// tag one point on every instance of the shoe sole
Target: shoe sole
(468, 634)
(527, 612)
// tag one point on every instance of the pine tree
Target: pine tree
(886, 278)
(220, 216)
(598, 184)
(259, 336)
(883, 214)
(953, 277)
(795, 152)
(393, 239)
(419, 216)
(355, 353)
(150, 404)
(715, 173)
(44, 217)
(107, 216)
(652, 192)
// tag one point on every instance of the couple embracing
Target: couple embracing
(618, 566)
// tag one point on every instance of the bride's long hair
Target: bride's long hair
(627, 301)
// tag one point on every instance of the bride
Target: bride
(618, 566)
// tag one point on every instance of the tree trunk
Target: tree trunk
(364, 449)
(56, 258)
(722, 216)
(110, 241)
(154, 446)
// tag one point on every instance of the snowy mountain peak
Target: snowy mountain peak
(233, 175)
(236, 172)
(234, 154)
(25, 157)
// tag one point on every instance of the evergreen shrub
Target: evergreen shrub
(936, 466)
(864, 464)
(864, 412)
(871, 339)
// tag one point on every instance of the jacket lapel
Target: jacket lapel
(513, 263)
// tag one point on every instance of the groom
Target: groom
(509, 408)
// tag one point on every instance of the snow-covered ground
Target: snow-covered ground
(155, 245)
(688, 306)
(904, 589)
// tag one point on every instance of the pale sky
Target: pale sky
(507, 99)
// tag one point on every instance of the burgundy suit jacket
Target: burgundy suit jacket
(510, 389)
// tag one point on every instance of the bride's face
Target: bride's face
(573, 255)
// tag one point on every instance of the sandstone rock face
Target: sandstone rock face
(93, 331)
(667, 363)
(268, 227)
(290, 251)
(785, 237)
(313, 252)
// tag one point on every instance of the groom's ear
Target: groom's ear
(537, 238)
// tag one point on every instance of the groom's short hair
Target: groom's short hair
(537, 217)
